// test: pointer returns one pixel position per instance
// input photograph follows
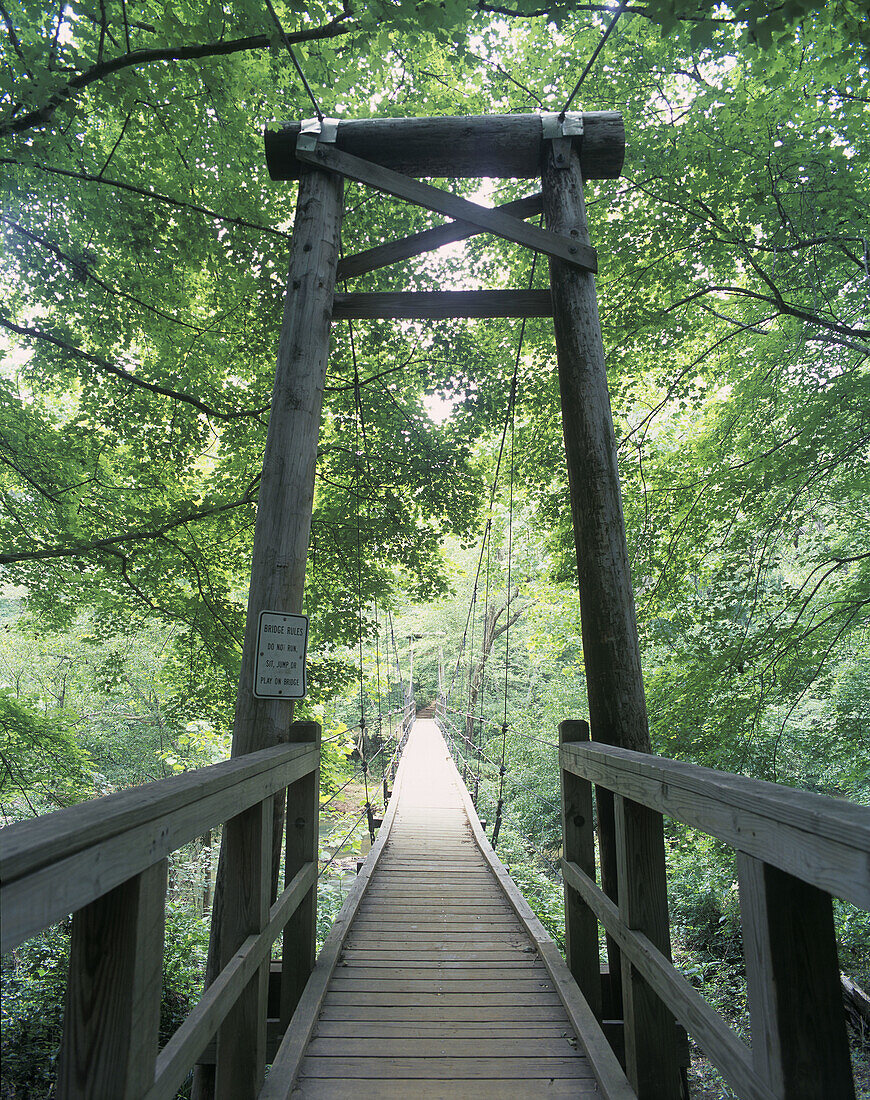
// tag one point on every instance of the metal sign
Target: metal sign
(281, 643)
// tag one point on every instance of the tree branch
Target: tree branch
(109, 544)
(86, 177)
(119, 372)
(102, 69)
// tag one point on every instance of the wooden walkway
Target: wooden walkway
(432, 984)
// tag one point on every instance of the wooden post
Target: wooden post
(286, 495)
(799, 1043)
(300, 932)
(241, 1040)
(578, 846)
(651, 1059)
(112, 1012)
(617, 704)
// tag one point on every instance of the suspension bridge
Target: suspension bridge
(436, 978)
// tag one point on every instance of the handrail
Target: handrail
(105, 861)
(55, 864)
(816, 838)
(794, 849)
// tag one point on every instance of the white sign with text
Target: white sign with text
(281, 643)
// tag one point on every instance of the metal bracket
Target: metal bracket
(316, 130)
(555, 127)
(562, 131)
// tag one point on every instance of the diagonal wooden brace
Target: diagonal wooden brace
(325, 155)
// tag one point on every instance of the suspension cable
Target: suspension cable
(622, 6)
(285, 39)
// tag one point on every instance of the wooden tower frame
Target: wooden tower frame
(388, 154)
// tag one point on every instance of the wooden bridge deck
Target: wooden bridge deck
(437, 989)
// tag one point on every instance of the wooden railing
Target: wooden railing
(105, 861)
(794, 850)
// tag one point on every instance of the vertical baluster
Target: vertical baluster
(241, 1045)
(799, 1043)
(578, 846)
(112, 1012)
(650, 1030)
(300, 933)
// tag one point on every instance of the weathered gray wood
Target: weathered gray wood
(112, 1011)
(799, 1042)
(241, 1039)
(608, 1072)
(611, 652)
(578, 846)
(451, 1069)
(440, 1013)
(27, 846)
(436, 304)
(285, 1066)
(509, 146)
(401, 1089)
(703, 1023)
(650, 1044)
(454, 206)
(418, 243)
(193, 1037)
(300, 935)
(617, 706)
(142, 830)
(286, 495)
(823, 841)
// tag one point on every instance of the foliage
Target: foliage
(34, 986)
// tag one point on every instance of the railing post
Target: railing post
(300, 933)
(241, 1040)
(112, 1012)
(799, 1043)
(651, 1058)
(578, 846)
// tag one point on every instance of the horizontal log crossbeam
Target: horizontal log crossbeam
(439, 304)
(457, 147)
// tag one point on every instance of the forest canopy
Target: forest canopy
(143, 277)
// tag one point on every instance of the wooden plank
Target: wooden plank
(510, 146)
(450, 1069)
(375, 1029)
(446, 1014)
(450, 972)
(417, 244)
(703, 1023)
(449, 1047)
(401, 1089)
(818, 839)
(404, 187)
(299, 947)
(799, 1042)
(28, 846)
(50, 894)
(439, 304)
(112, 1009)
(449, 987)
(398, 999)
